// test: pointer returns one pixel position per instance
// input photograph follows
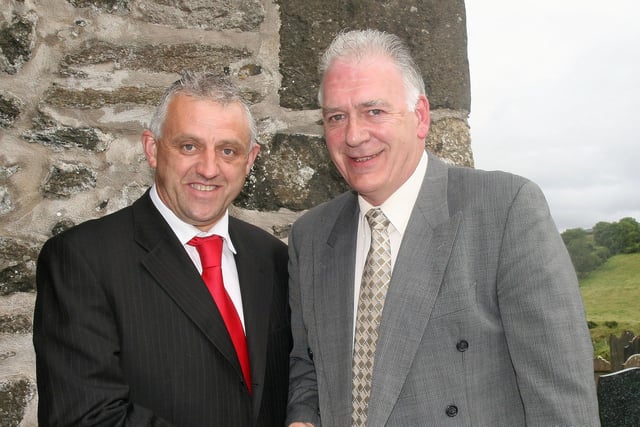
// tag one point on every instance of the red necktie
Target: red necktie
(210, 250)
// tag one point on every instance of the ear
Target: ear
(424, 118)
(253, 154)
(150, 147)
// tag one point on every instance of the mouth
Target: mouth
(364, 158)
(202, 187)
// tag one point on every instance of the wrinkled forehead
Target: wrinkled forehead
(362, 80)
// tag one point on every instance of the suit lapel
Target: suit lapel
(173, 270)
(333, 302)
(257, 291)
(416, 279)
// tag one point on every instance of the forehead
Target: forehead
(186, 112)
(362, 80)
(204, 106)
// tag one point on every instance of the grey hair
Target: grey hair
(206, 86)
(359, 44)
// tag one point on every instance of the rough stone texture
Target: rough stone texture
(57, 136)
(7, 171)
(89, 98)
(13, 249)
(67, 179)
(618, 397)
(10, 108)
(17, 278)
(15, 324)
(109, 6)
(435, 32)
(449, 139)
(6, 201)
(61, 226)
(78, 81)
(17, 267)
(171, 58)
(14, 395)
(207, 15)
(16, 42)
(295, 172)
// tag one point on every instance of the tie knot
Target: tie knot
(209, 248)
(377, 219)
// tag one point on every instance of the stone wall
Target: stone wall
(78, 81)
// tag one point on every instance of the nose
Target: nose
(207, 165)
(356, 132)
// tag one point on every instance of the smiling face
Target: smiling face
(202, 158)
(374, 140)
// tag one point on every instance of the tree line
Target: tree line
(589, 249)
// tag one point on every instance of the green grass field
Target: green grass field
(612, 300)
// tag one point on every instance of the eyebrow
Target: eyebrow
(365, 104)
(180, 138)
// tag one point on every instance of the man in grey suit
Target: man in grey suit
(482, 323)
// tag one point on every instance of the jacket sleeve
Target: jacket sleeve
(543, 317)
(79, 378)
(303, 405)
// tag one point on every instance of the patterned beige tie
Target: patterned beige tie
(373, 290)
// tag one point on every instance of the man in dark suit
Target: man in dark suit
(125, 329)
(466, 310)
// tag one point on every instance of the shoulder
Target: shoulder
(258, 247)
(243, 231)
(327, 212)
(484, 177)
(478, 184)
(101, 233)
(99, 229)
(491, 196)
(88, 244)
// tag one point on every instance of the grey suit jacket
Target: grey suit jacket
(483, 323)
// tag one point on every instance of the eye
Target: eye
(229, 152)
(188, 148)
(375, 112)
(335, 118)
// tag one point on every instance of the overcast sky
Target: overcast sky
(555, 87)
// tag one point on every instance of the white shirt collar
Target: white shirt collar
(186, 232)
(395, 207)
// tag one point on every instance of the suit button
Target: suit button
(310, 353)
(462, 345)
(452, 411)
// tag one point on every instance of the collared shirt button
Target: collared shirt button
(462, 345)
(451, 411)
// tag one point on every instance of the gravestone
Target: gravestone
(601, 365)
(619, 348)
(632, 362)
(633, 347)
(618, 397)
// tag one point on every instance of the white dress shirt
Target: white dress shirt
(397, 208)
(185, 232)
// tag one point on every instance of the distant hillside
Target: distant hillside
(612, 299)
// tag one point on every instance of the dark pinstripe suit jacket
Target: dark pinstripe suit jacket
(126, 333)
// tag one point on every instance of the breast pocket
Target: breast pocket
(454, 296)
